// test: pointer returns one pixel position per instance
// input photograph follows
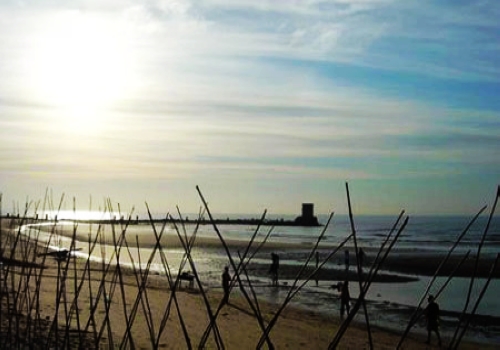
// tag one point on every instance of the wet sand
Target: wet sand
(399, 260)
(238, 326)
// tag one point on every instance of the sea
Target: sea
(389, 305)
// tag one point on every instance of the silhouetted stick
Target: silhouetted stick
(436, 273)
(60, 291)
(452, 275)
(46, 247)
(242, 264)
(358, 266)
(118, 271)
(375, 262)
(182, 224)
(35, 272)
(141, 297)
(476, 263)
(317, 264)
(142, 293)
(419, 313)
(102, 290)
(105, 267)
(233, 265)
(187, 246)
(252, 290)
(63, 292)
(86, 277)
(2, 281)
(66, 268)
(17, 238)
(65, 301)
(86, 270)
(117, 278)
(146, 307)
(22, 284)
(294, 289)
(172, 285)
(478, 301)
(343, 327)
(38, 278)
(240, 267)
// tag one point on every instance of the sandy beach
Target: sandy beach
(105, 302)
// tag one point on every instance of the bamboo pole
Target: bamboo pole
(419, 313)
(187, 246)
(2, 282)
(146, 308)
(173, 285)
(119, 273)
(476, 305)
(347, 321)
(375, 262)
(436, 273)
(79, 285)
(240, 266)
(141, 295)
(476, 263)
(233, 265)
(294, 289)
(358, 266)
(105, 267)
(108, 294)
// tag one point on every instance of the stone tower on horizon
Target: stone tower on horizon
(307, 218)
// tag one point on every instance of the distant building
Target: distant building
(307, 218)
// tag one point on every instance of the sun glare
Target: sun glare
(80, 215)
(81, 65)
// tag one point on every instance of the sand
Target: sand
(237, 323)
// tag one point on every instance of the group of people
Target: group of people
(273, 272)
(431, 311)
(361, 258)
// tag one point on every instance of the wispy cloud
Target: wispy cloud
(262, 90)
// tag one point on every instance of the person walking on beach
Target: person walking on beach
(432, 315)
(361, 257)
(346, 259)
(226, 279)
(273, 270)
(345, 299)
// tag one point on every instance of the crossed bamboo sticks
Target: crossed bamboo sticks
(93, 329)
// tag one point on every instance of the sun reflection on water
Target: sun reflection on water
(81, 215)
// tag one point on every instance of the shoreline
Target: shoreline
(295, 326)
(402, 260)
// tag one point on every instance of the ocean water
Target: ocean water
(436, 233)
(389, 303)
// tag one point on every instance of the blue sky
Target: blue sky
(263, 104)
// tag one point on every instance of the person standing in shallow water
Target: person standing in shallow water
(226, 279)
(432, 315)
(273, 270)
(346, 259)
(361, 257)
(345, 299)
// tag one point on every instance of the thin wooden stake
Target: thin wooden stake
(476, 263)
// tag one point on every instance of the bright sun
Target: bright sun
(80, 64)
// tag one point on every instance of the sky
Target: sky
(262, 104)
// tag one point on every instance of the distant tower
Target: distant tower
(307, 218)
(307, 211)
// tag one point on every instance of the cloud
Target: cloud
(262, 90)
